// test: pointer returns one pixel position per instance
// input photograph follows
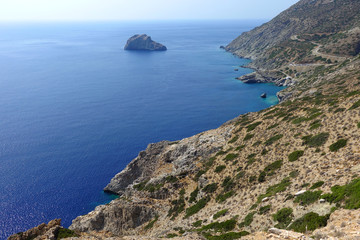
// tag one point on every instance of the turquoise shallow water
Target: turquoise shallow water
(75, 108)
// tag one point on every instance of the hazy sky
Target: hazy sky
(35, 10)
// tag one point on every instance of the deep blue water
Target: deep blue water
(75, 108)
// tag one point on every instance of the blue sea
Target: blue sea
(75, 108)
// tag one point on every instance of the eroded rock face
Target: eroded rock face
(43, 231)
(143, 42)
(119, 217)
(180, 156)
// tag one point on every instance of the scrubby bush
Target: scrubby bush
(272, 190)
(348, 194)
(197, 223)
(262, 177)
(234, 139)
(317, 184)
(222, 197)
(226, 236)
(309, 222)
(228, 184)
(358, 125)
(230, 157)
(225, 226)
(65, 233)
(253, 126)
(339, 144)
(273, 166)
(284, 216)
(355, 105)
(247, 220)
(264, 209)
(294, 174)
(308, 197)
(273, 139)
(295, 155)
(197, 207)
(220, 213)
(317, 140)
(151, 223)
(210, 188)
(193, 195)
(219, 168)
(248, 136)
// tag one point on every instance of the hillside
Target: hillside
(291, 171)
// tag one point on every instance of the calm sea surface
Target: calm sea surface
(75, 108)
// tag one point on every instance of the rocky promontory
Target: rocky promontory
(143, 42)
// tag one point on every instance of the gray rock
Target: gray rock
(263, 95)
(143, 42)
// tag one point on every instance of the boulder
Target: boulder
(263, 95)
(143, 42)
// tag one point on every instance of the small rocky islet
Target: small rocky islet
(143, 42)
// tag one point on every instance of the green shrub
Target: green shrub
(210, 188)
(294, 174)
(262, 177)
(210, 162)
(348, 194)
(317, 184)
(234, 139)
(308, 197)
(241, 147)
(253, 126)
(219, 168)
(309, 222)
(252, 179)
(225, 226)
(284, 216)
(247, 220)
(171, 179)
(248, 136)
(264, 209)
(197, 223)
(273, 126)
(171, 235)
(358, 125)
(222, 197)
(199, 174)
(273, 139)
(254, 206)
(230, 157)
(273, 166)
(227, 236)
(220, 213)
(151, 223)
(228, 184)
(339, 144)
(355, 105)
(295, 155)
(317, 140)
(65, 233)
(197, 207)
(272, 190)
(193, 195)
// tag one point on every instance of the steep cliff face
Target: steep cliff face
(305, 17)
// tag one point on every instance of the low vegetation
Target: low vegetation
(317, 140)
(220, 213)
(65, 233)
(339, 144)
(284, 217)
(295, 155)
(308, 197)
(309, 222)
(197, 207)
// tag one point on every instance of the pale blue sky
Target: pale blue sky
(82, 10)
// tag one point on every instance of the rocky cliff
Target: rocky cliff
(287, 172)
(143, 42)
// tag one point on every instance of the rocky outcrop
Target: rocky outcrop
(262, 77)
(177, 157)
(43, 231)
(119, 217)
(143, 42)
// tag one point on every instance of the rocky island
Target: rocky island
(143, 42)
(291, 171)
